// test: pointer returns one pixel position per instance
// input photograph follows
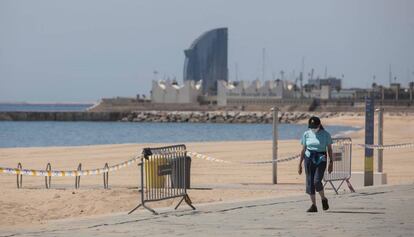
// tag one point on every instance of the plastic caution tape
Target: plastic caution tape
(378, 147)
(209, 158)
(74, 173)
(204, 157)
(271, 161)
(69, 173)
(387, 147)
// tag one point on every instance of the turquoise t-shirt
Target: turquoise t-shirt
(316, 142)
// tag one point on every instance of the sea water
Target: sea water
(51, 133)
(26, 107)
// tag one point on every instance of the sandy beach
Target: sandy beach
(211, 182)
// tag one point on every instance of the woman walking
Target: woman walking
(316, 142)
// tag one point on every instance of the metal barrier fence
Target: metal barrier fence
(165, 174)
(342, 158)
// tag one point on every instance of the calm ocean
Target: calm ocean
(23, 107)
(40, 134)
(48, 133)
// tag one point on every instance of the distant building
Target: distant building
(327, 88)
(206, 60)
(333, 82)
(169, 92)
(241, 92)
(343, 94)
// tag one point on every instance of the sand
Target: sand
(211, 182)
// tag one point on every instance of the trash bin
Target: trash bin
(153, 179)
(180, 172)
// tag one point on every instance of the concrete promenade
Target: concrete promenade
(374, 211)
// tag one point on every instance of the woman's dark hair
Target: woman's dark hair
(315, 122)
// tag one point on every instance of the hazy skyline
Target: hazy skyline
(55, 51)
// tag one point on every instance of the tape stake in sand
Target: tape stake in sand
(77, 179)
(49, 172)
(106, 176)
(19, 176)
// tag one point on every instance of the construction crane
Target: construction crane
(301, 77)
(282, 73)
(311, 74)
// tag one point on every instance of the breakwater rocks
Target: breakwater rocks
(224, 117)
(178, 116)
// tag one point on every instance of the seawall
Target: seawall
(61, 116)
(177, 116)
(167, 116)
(163, 116)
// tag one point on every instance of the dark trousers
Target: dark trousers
(314, 176)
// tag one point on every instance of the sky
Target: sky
(84, 50)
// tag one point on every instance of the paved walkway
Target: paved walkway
(381, 211)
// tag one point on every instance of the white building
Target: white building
(333, 82)
(169, 92)
(254, 91)
(343, 94)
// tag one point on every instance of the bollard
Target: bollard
(106, 176)
(77, 178)
(380, 138)
(48, 179)
(369, 140)
(274, 144)
(19, 176)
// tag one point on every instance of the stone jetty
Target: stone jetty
(176, 116)
(170, 116)
(223, 116)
